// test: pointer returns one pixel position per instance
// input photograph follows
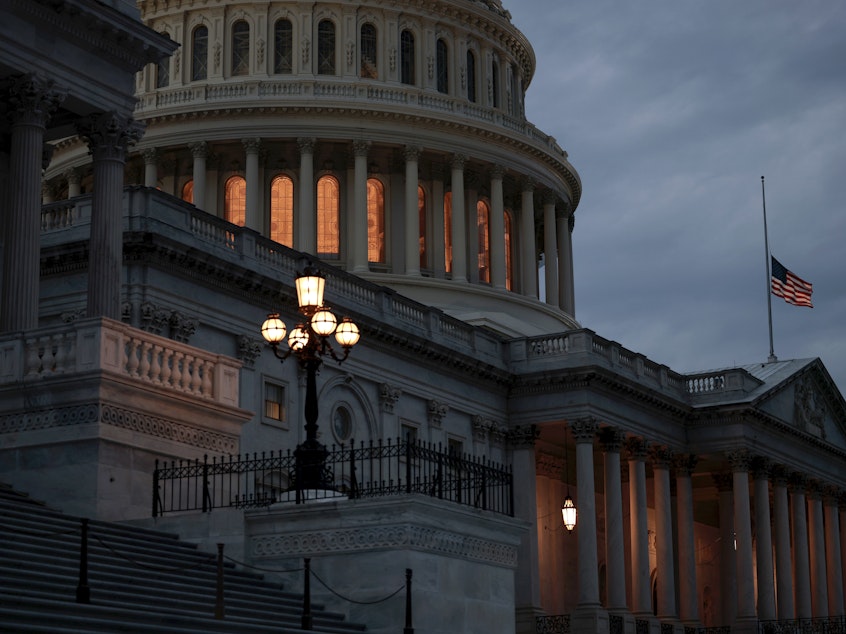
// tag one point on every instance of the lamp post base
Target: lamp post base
(311, 472)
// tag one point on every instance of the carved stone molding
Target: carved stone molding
(760, 467)
(435, 412)
(523, 436)
(808, 410)
(32, 100)
(306, 145)
(584, 429)
(611, 439)
(685, 463)
(388, 397)
(481, 426)
(182, 327)
(739, 460)
(797, 482)
(108, 135)
(779, 474)
(34, 419)
(661, 457)
(636, 448)
(249, 349)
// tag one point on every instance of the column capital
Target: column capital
(411, 152)
(150, 155)
(33, 100)
(637, 448)
(611, 439)
(831, 495)
(306, 145)
(779, 474)
(761, 467)
(685, 464)
(108, 135)
(724, 481)
(252, 145)
(814, 489)
(360, 148)
(497, 172)
(73, 176)
(661, 457)
(457, 161)
(548, 197)
(523, 436)
(739, 460)
(199, 149)
(527, 184)
(584, 429)
(797, 482)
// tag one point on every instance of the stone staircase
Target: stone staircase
(140, 581)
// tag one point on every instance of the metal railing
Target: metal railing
(829, 625)
(373, 469)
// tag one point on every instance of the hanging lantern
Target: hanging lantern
(569, 513)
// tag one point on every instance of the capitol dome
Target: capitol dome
(389, 140)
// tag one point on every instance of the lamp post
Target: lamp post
(309, 342)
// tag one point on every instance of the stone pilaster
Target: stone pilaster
(764, 544)
(641, 600)
(816, 545)
(358, 213)
(834, 570)
(801, 562)
(783, 559)
(688, 593)
(611, 440)
(728, 560)
(662, 461)
(743, 535)
(200, 152)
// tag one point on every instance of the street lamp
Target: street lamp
(309, 342)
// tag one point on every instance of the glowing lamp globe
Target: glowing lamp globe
(273, 329)
(347, 333)
(298, 339)
(323, 322)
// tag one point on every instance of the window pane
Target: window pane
(471, 76)
(326, 48)
(328, 206)
(188, 192)
(443, 68)
(448, 232)
(200, 54)
(235, 203)
(282, 210)
(283, 47)
(240, 48)
(421, 214)
(483, 224)
(274, 401)
(407, 57)
(375, 220)
(368, 51)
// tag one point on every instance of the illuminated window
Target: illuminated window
(375, 220)
(240, 48)
(282, 210)
(163, 70)
(448, 232)
(283, 47)
(471, 76)
(274, 402)
(368, 51)
(188, 192)
(407, 57)
(326, 48)
(483, 214)
(495, 83)
(328, 211)
(235, 201)
(442, 55)
(509, 261)
(421, 214)
(200, 54)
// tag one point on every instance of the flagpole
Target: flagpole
(772, 358)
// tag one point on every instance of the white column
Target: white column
(764, 544)
(615, 570)
(459, 221)
(411, 154)
(662, 459)
(743, 535)
(305, 227)
(801, 563)
(438, 234)
(688, 594)
(497, 229)
(565, 262)
(200, 152)
(74, 178)
(816, 545)
(783, 563)
(641, 601)
(833, 554)
(550, 249)
(151, 167)
(253, 178)
(528, 257)
(358, 212)
(108, 137)
(728, 565)
(30, 103)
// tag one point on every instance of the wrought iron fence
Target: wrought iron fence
(830, 625)
(719, 629)
(553, 624)
(365, 470)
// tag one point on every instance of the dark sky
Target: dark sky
(672, 111)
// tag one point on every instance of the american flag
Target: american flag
(791, 288)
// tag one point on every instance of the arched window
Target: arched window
(448, 232)
(326, 48)
(375, 220)
(163, 70)
(368, 51)
(509, 261)
(442, 64)
(282, 210)
(328, 220)
(483, 215)
(283, 47)
(240, 48)
(421, 214)
(407, 57)
(513, 89)
(471, 76)
(188, 192)
(235, 201)
(495, 83)
(200, 54)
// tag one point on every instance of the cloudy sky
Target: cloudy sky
(671, 111)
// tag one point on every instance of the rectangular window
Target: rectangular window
(274, 402)
(408, 433)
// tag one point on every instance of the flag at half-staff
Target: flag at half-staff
(789, 286)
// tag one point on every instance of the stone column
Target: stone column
(151, 167)
(528, 257)
(550, 249)
(662, 460)
(688, 594)
(74, 179)
(108, 136)
(497, 229)
(801, 564)
(359, 221)
(611, 439)
(253, 219)
(31, 101)
(728, 564)
(816, 545)
(305, 227)
(842, 510)
(527, 577)
(743, 535)
(200, 152)
(764, 544)
(459, 222)
(783, 563)
(641, 601)
(833, 554)
(411, 154)
(438, 232)
(565, 262)
(589, 615)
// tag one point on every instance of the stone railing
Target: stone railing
(103, 345)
